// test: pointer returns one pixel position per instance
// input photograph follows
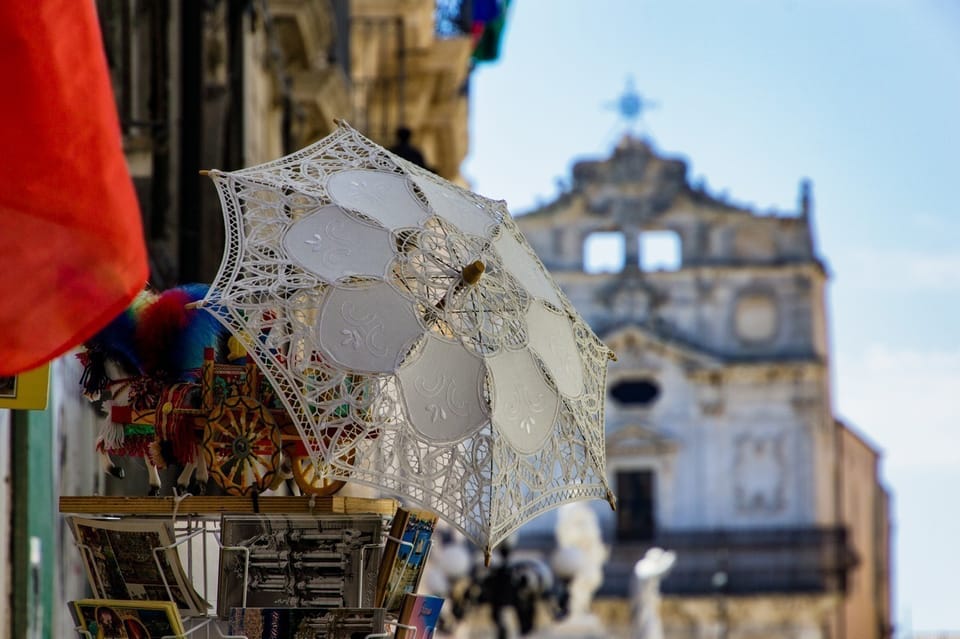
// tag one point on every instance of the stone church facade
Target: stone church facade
(722, 442)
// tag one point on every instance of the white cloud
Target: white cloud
(908, 269)
(933, 271)
(905, 400)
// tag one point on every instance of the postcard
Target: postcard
(404, 556)
(323, 561)
(127, 619)
(419, 616)
(306, 623)
(121, 563)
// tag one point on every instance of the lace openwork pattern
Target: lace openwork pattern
(415, 338)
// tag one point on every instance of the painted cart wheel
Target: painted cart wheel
(311, 480)
(241, 445)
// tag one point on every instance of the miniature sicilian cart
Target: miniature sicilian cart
(219, 419)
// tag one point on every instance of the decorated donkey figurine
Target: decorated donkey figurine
(145, 361)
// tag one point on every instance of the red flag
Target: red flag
(72, 254)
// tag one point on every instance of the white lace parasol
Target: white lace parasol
(413, 335)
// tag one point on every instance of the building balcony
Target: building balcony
(742, 562)
(731, 562)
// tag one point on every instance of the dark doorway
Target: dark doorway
(635, 505)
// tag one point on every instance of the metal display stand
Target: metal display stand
(196, 521)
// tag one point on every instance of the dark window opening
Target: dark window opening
(639, 392)
(635, 505)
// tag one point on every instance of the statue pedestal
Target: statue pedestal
(585, 626)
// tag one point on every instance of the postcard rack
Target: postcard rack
(207, 506)
(195, 521)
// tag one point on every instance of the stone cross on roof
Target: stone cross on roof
(630, 105)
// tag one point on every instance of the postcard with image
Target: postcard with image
(306, 623)
(318, 561)
(404, 556)
(419, 616)
(125, 619)
(121, 563)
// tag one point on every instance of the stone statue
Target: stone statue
(577, 528)
(647, 574)
(578, 563)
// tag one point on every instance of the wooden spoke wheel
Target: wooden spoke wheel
(241, 445)
(312, 480)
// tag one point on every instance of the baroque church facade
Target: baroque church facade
(722, 442)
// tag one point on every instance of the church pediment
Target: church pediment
(636, 341)
(634, 440)
(632, 186)
(630, 283)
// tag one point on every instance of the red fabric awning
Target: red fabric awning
(72, 254)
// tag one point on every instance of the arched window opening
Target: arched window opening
(660, 251)
(603, 252)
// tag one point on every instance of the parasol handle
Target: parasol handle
(471, 272)
(469, 275)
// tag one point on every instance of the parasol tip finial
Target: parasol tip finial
(611, 356)
(472, 272)
(204, 172)
(486, 557)
(612, 500)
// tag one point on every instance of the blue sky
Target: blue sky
(860, 96)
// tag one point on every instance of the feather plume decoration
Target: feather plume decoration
(116, 342)
(171, 337)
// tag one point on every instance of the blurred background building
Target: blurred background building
(721, 437)
(220, 84)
